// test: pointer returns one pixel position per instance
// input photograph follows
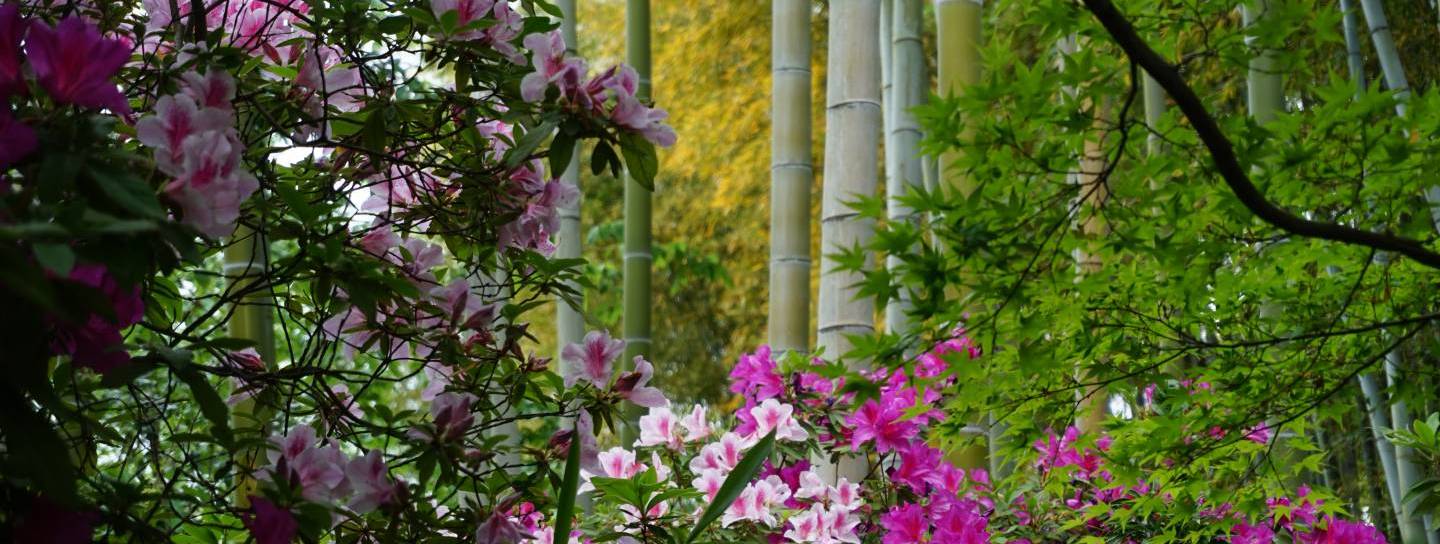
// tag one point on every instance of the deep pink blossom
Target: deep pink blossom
(96, 342)
(1339, 531)
(881, 424)
(1244, 533)
(649, 121)
(270, 524)
(905, 524)
(755, 376)
(12, 80)
(74, 64)
(17, 140)
(49, 522)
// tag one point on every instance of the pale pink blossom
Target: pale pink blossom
(370, 481)
(660, 428)
(777, 416)
(551, 67)
(708, 481)
(591, 360)
(211, 185)
(722, 455)
(634, 386)
(619, 462)
(695, 425)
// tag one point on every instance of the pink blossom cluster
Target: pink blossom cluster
(256, 26)
(323, 475)
(71, 61)
(96, 343)
(502, 24)
(195, 142)
(610, 95)
(538, 202)
(592, 362)
(1301, 520)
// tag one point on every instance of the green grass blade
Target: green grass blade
(569, 487)
(744, 472)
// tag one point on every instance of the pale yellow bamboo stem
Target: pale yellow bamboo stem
(791, 175)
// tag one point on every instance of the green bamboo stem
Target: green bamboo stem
(852, 140)
(791, 175)
(638, 256)
(902, 154)
(569, 321)
(1374, 397)
(957, 59)
(1154, 111)
(245, 261)
(958, 36)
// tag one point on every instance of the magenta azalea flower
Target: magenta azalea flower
(74, 63)
(12, 27)
(96, 343)
(881, 424)
(905, 524)
(755, 376)
(1339, 531)
(51, 523)
(270, 524)
(1244, 533)
(17, 140)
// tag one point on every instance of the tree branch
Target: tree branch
(1223, 152)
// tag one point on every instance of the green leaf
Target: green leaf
(211, 405)
(373, 134)
(394, 25)
(569, 488)
(526, 145)
(562, 151)
(604, 157)
(640, 159)
(35, 449)
(744, 472)
(128, 192)
(57, 258)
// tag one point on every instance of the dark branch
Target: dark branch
(1223, 152)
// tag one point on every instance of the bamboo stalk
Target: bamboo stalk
(1264, 91)
(957, 59)
(638, 256)
(245, 262)
(792, 172)
(569, 321)
(1395, 80)
(852, 119)
(902, 153)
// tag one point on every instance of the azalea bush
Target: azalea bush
(822, 454)
(266, 263)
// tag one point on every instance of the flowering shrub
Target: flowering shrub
(769, 471)
(336, 214)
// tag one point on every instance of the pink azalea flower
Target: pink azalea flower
(551, 67)
(1259, 433)
(177, 118)
(1339, 531)
(372, 485)
(708, 481)
(12, 29)
(722, 455)
(211, 185)
(633, 386)
(467, 11)
(500, 529)
(74, 63)
(807, 526)
(96, 343)
(777, 416)
(918, 466)
(660, 427)
(905, 525)
(619, 462)
(17, 140)
(755, 375)
(846, 495)
(811, 486)
(840, 526)
(881, 424)
(270, 524)
(695, 425)
(451, 415)
(329, 82)
(648, 121)
(589, 449)
(49, 522)
(756, 503)
(592, 359)
(1243, 533)
(215, 89)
